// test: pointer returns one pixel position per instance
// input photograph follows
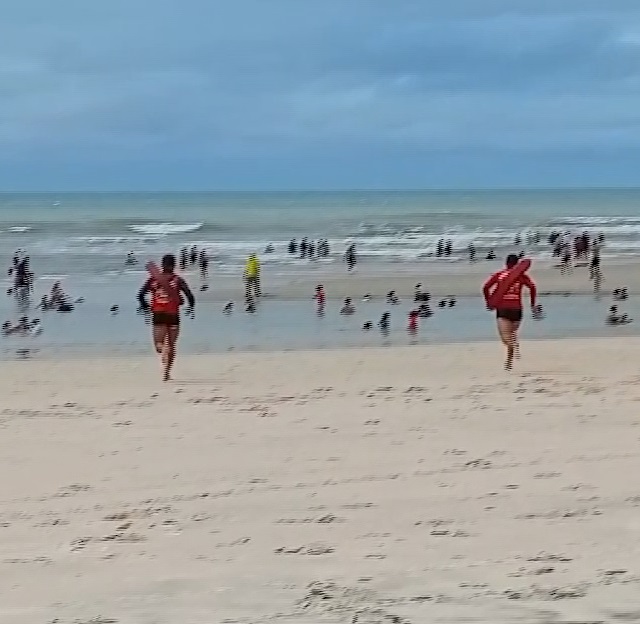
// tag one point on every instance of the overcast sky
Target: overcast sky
(288, 94)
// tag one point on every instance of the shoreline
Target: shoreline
(232, 358)
(89, 353)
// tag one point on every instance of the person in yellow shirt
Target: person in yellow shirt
(252, 277)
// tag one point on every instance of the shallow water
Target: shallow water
(280, 324)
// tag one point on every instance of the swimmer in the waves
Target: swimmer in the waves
(165, 312)
(509, 307)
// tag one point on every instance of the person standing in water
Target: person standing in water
(350, 257)
(509, 307)
(252, 278)
(165, 311)
(203, 261)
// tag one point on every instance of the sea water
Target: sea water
(290, 325)
(84, 239)
(90, 234)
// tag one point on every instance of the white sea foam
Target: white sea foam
(164, 229)
(53, 278)
(19, 229)
(108, 240)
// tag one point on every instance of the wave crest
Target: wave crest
(165, 229)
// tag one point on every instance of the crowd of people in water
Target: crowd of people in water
(571, 250)
(615, 316)
(306, 248)
(421, 311)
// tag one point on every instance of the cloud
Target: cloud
(302, 83)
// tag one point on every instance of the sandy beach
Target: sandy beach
(404, 485)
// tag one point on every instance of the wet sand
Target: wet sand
(458, 278)
(405, 485)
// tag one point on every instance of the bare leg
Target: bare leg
(160, 342)
(508, 338)
(253, 288)
(159, 337)
(597, 282)
(515, 326)
(170, 350)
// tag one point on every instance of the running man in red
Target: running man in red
(509, 307)
(165, 312)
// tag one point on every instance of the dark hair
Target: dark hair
(168, 262)
(512, 260)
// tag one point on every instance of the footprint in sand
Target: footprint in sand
(313, 549)
(326, 519)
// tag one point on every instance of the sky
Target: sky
(318, 94)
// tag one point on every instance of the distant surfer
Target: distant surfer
(165, 289)
(503, 293)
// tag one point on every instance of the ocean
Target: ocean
(83, 240)
(90, 234)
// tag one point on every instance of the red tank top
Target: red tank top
(161, 300)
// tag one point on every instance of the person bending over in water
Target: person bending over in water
(392, 298)
(615, 318)
(347, 307)
(165, 311)
(620, 294)
(509, 307)
(424, 311)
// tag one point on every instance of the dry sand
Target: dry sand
(401, 486)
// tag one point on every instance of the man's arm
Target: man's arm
(184, 287)
(533, 291)
(142, 295)
(486, 289)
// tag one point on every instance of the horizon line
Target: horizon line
(327, 190)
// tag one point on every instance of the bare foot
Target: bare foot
(508, 365)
